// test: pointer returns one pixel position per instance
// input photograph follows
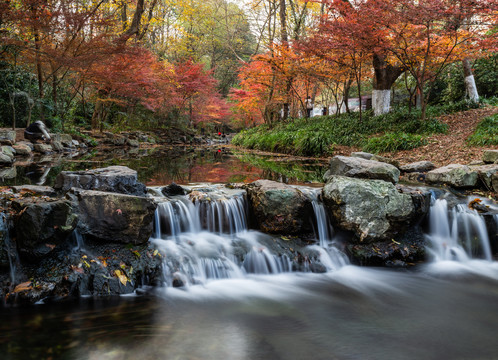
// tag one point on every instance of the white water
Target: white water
(458, 234)
(205, 236)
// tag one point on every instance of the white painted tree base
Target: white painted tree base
(470, 85)
(381, 101)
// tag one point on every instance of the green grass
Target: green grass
(486, 132)
(317, 136)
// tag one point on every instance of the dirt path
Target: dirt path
(452, 147)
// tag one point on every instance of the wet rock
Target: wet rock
(363, 155)
(119, 179)
(372, 209)
(7, 137)
(42, 225)
(418, 167)
(455, 175)
(8, 173)
(279, 208)
(488, 175)
(9, 151)
(43, 148)
(386, 160)
(172, 190)
(132, 143)
(5, 159)
(35, 190)
(421, 199)
(490, 156)
(22, 149)
(30, 292)
(115, 217)
(361, 168)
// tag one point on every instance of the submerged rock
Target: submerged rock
(112, 217)
(455, 175)
(279, 208)
(361, 168)
(118, 179)
(372, 209)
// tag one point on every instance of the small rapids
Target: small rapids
(204, 236)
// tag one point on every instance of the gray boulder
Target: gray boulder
(362, 154)
(132, 143)
(118, 179)
(386, 160)
(5, 159)
(9, 151)
(57, 146)
(42, 225)
(418, 167)
(488, 175)
(43, 148)
(279, 208)
(361, 168)
(22, 149)
(35, 190)
(455, 175)
(115, 217)
(490, 156)
(372, 209)
(8, 173)
(7, 137)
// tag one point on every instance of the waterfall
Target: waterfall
(10, 248)
(459, 234)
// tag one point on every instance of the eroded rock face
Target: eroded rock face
(362, 168)
(112, 217)
(119, 179)
(279, 208)
(455, 175)
(42, 225)
(372, 209)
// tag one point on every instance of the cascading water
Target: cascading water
(459, 234)
(205, 236)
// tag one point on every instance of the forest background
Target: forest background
(217, 64)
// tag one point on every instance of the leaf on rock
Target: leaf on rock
(23, 287)
(121, 276)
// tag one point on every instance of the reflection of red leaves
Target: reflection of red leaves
(119, 212)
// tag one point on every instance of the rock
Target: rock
(43, 148)
(172, 190)
(363, 155)
(42, 225)
(455, 175)
(119, 179)
(490, 156)
(488, 175)
(419, 167)
(22, 149)
(75, 143)
(9, 151)
(386, 160)
(132, 143)
(361, 168)
(414, 177)
(118, 140)
(5, 159)
(115, 217)
(30, 293)
(279, 208)
(36, 190)
(421, 199)
(372, 209)
(7, 137)
(57, 146)
(8, 173)
(66, 140)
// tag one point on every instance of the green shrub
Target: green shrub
(394, 142)
(486, 132)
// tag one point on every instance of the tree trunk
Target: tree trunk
(470, 83)
(385, 77)
(39, 73)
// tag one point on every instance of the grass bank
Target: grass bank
(317, 136)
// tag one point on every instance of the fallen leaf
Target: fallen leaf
(122, 277)
(23, 287)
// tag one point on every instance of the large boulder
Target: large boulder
(43, 148)
(418, 167)
(490, 156)
(386, 160)
(7, 137)
(119, 179)
(488, 175)
(41, 225)
(5, 159)
(115, 217)
(372, 209)
(279, 208)
(362, 168)
(455, 175)
(22, 149)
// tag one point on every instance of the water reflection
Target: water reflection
(162, 166)
(354, 313)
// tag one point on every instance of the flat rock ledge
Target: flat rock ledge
(361, 168)
(455, 175)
